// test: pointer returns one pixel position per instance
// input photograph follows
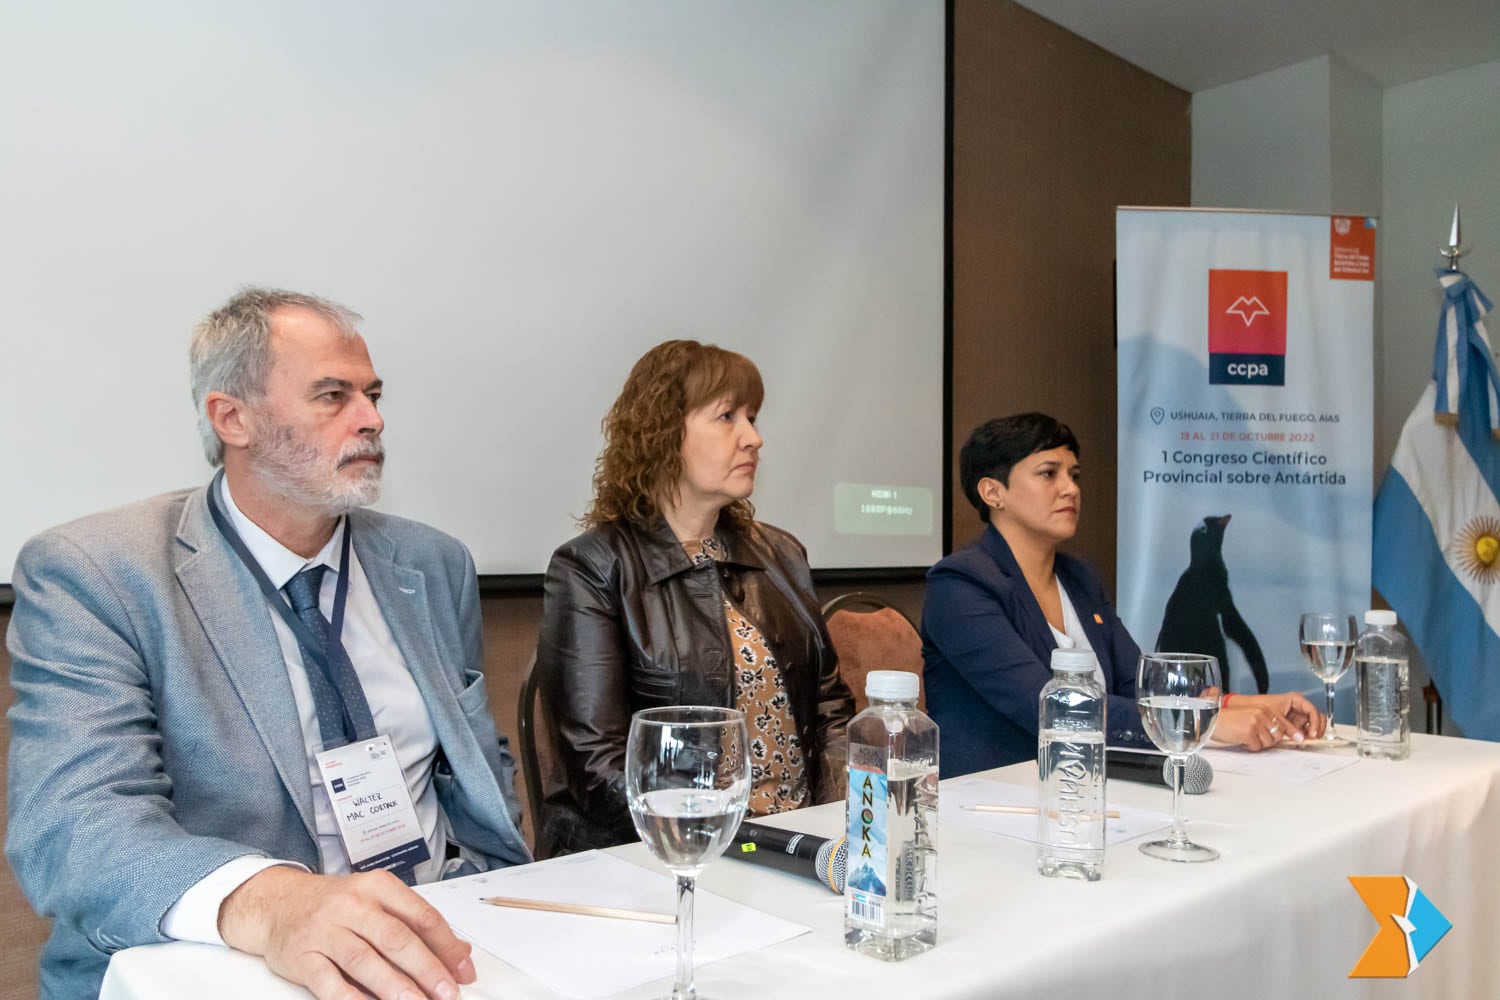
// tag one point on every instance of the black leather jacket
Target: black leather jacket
(628, 622)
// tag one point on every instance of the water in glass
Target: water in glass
(1179, 696)
(687, 779)
(1327, 642)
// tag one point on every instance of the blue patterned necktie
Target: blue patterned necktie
(344, 686)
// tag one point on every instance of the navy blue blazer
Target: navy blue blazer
(986, 647)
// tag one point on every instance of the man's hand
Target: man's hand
(325, 932)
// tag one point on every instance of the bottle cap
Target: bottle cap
(1384, 619)
(1074, 661)
(892, 685)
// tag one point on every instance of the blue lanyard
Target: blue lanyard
(305, 640)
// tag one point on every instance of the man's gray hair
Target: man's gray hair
(231, 350)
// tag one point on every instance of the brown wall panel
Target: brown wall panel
(1050, 133)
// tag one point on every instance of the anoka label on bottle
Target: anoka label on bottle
(864, 900)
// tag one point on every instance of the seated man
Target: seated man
(187, 668)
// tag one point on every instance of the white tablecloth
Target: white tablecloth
(1275, 917)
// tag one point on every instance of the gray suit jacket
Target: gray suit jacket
(154, 735)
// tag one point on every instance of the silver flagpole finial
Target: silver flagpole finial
(1454, 249)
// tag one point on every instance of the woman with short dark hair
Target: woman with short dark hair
(994, 611)
(676, 595)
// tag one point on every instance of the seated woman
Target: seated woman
(995, 610)
(675, 595)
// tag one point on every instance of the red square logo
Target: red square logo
(1247, 312)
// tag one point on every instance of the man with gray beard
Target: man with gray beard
(216, 687)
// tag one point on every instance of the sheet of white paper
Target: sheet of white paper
(1280, 763)
(961, 792)
(586, 957)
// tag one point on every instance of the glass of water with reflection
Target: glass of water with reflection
(1179, 696)
(687, 778)
(1327, 641)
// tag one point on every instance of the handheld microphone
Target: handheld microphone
(824, 861)
(1156, 769)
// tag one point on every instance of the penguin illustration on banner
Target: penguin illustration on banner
(1201, 601)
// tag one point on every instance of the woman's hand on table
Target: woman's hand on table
(1259, 721)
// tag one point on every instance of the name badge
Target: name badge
(373, 807)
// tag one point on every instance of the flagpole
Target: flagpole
(1453, 251)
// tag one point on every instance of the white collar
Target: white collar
(278, 562)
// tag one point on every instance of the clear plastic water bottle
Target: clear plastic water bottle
(1382, 677)
(890, 898)
(1070, 769)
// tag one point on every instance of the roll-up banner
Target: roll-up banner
(1245, 433)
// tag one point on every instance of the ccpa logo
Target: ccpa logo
(1246, 327)
(1409, 926)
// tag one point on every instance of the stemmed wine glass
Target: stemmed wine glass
(1328, 646)
(687, 779)
(1178, 695)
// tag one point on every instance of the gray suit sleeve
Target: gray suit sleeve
(91, 833)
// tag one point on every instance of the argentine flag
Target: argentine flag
(1437, 520)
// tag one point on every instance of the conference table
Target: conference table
(1275, 916)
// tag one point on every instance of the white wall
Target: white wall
(1303, 138)
(1441, 147)
(1354, 142)
(1263, 142)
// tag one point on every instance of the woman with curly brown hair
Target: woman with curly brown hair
(676, 595)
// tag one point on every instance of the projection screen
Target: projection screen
(520, 198)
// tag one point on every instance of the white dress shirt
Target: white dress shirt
(1072, 635)
(395, 703)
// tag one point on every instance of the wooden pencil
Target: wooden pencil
(580, 909)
